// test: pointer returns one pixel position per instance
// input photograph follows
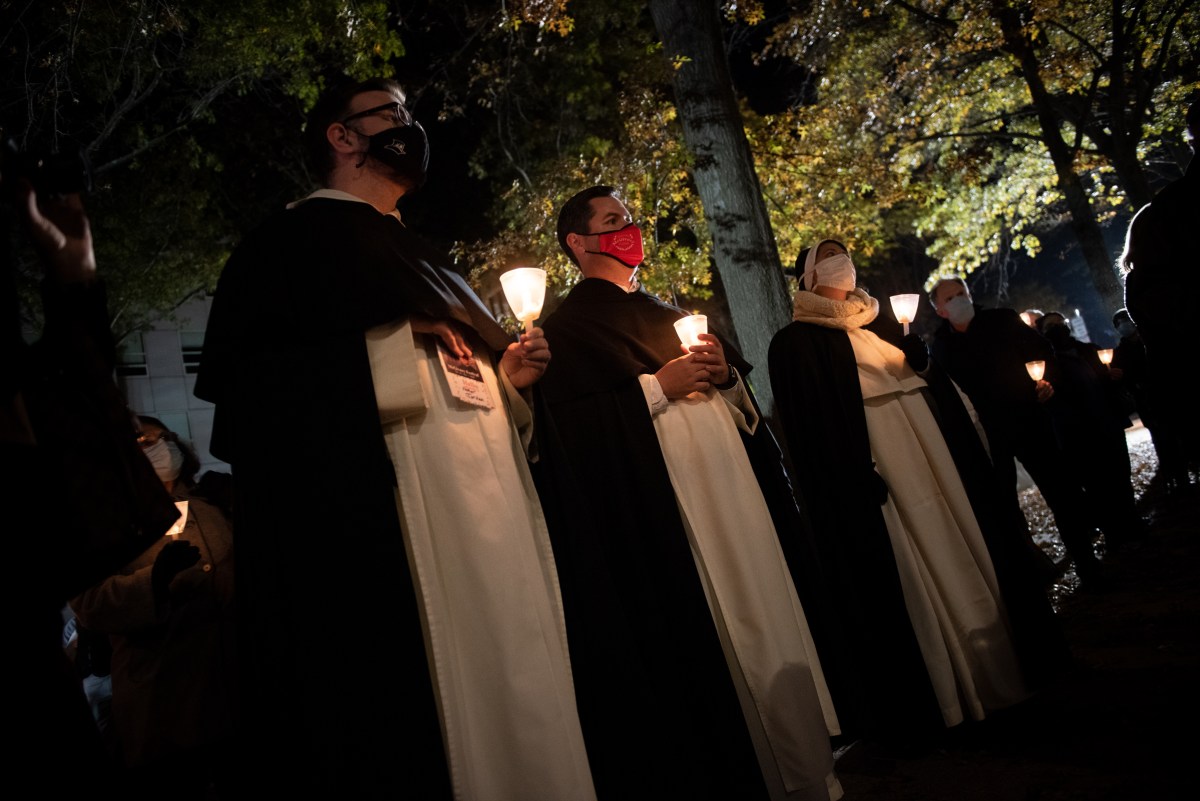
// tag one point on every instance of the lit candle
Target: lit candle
(905, 308)
(1105, 355)
(1027, 318)
(177, 528)
(689, 328)
(1036, 369)
(525, 290)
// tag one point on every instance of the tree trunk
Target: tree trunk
(743, 243)
(1128, 105)
(1083, 218)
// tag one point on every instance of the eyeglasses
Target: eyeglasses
(398, 113)
(148, 438)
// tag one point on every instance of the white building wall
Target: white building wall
(166, 391)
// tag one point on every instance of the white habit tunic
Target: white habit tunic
(946, 574)
(485, 573)
(762, 627)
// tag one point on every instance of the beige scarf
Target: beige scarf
(854, 312)
(882, 369)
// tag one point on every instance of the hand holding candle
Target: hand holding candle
(905, 308)
(525, 291)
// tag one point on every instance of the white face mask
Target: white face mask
(836, 271)
(166, 458)
(960, 310)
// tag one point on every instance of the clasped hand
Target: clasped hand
(699, 368)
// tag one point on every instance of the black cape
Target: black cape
(877, 676)
(338, 694)
(659, 710)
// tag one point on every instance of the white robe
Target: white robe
(947, 577)
(762, 627)
(485, 573)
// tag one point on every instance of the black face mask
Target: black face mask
(405, 149)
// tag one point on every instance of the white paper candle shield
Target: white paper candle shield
(905, 308)
(689, 329)
(1105, 355)
(1036, 369)
(525, 291)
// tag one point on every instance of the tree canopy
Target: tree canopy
(188, 113)
(935, 137)
(976, 125)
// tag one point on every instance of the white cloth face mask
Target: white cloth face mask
(837, 272)
(960, 310)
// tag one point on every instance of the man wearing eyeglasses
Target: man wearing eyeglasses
(400, 614)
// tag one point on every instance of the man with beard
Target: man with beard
(401, 625)
(679, 601)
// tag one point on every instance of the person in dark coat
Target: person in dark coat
(1131, 366)
(79, 500)
(985, 352)
(1091, 428)
(1161, 264)
(169, 615)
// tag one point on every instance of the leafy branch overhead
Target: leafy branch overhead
(189, 113)
(988, 121)
(956, 134)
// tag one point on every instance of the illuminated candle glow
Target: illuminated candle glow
(1036, 369)
(525, 291)
(905, 308)
(690, 327)
(1105, 355)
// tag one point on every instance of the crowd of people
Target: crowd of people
(577, 565)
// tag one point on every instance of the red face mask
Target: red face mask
(624, 245)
